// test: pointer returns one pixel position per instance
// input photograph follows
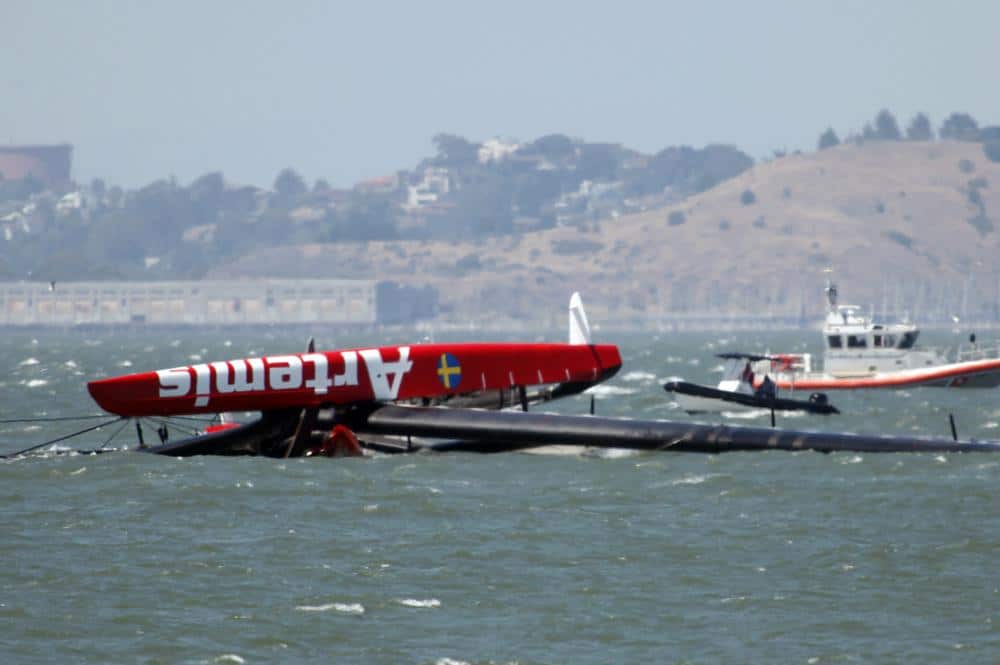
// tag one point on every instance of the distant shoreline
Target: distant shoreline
(449, 327)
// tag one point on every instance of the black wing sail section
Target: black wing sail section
(497, 431)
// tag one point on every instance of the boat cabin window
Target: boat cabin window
(908, 340)
(890, 341)
(856, 342)
(877, 341)
(834, 341)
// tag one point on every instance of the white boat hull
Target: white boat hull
(970, 374)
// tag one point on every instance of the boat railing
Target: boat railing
(787, 364)
(941, 354)
(976, 351)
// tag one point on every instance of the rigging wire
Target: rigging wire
(51, 420)
(61, 438)
(197, 420)
(116, 433)
(167, 422)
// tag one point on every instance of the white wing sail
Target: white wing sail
(579, 328)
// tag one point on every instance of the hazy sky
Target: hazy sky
(351, 90)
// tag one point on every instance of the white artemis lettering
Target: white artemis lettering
(379, 371)
(321, 378)
(203, 379)
(174, 382)
(286, 372)
(231, 377)
(350, 375)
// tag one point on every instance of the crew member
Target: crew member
(767, 389)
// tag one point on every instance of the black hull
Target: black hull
(760, 402)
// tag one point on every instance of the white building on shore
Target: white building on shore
(257, 302)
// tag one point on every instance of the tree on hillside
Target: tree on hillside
(21, 189)
(959, 127)
(368, 217)
(990, 133)
(288, 187)
(97, 187)
(206, 195)
(532, 191)
(828, 139)
(116, 195)
(482, 207)
(455, 151)
(886, 128)
(599, 161)
(159, 212)
(686, 170)
(6, 271)
(992, 150)
(554, 147)
(920, 128)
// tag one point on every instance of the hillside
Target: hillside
(905, 226)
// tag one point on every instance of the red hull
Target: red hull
(344, 377)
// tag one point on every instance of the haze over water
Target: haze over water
(433, 558)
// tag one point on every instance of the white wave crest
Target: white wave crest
(693, 480)
(749, 414)
(35, 383)
(609, 453)
(608, 391)
(346, 608)
(639, 376)
(230, 658)
(412, 602)
(28, 362)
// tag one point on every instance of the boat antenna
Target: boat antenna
(831, 294)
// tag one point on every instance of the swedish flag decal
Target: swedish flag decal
(449, 371)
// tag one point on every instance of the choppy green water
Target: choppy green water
(770, 557)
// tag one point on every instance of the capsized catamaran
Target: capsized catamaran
(440, 397)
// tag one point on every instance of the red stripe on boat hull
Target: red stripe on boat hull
(980, 373)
